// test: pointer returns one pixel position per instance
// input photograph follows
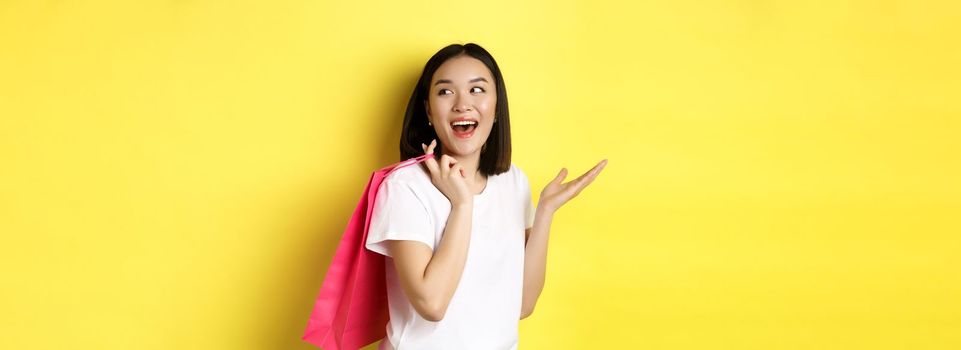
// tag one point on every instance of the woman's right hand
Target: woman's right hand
(448, 177)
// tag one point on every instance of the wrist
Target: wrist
(544, 211)
(465, 205)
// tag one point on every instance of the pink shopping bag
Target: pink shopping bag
(351, 310)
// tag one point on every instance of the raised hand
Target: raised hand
(448, 177)
(555, 194)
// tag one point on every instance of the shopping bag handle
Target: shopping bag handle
(414, 160)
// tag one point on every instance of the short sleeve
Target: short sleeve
(528, 203)
(398, 214)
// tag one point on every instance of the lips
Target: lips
(464, 127)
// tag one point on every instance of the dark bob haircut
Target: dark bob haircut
(495, 155)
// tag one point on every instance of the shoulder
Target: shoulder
(516, 171)
(410, 174)
(405, 186)
(413, 177)
(514, 175)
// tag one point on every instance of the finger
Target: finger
(431, 162)
(445, 166)
(432, 166)
(594, 171)
(457, 170)
(588, 177)
(597, 170)
(560, 176)
(590, 173)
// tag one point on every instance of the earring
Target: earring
(428, 123)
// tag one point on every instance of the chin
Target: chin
(464, 150)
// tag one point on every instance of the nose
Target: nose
(462, 104)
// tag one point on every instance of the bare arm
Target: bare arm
(554, 195)
(429, 279)
(535, 261)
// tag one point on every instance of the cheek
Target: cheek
(431, 107)
(486, 107)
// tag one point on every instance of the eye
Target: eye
(477, 89)
(444, 92)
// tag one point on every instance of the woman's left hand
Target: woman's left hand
(555, 194)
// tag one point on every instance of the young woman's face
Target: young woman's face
(461, 104)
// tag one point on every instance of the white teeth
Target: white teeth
(463, 122)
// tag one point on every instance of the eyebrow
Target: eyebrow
(445, 81)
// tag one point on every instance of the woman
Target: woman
(466, 250)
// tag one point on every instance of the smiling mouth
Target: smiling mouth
(464, 128)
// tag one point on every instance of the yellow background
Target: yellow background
(783, 174)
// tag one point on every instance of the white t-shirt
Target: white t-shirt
(485, 310)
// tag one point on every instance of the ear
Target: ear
(427, 108)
